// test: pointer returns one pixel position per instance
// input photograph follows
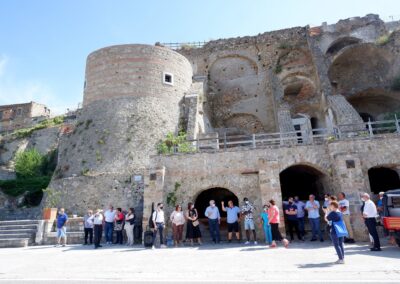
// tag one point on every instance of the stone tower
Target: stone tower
(132, 98)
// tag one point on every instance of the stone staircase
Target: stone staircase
(19, 233)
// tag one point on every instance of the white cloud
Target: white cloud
(13, 90)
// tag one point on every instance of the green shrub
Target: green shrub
(278, 69)
(382, 40)
(29, 163)
(19, 186)
(173, 143)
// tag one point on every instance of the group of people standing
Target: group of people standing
(336, 213)
(111, 220)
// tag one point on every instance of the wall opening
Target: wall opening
(218, 194)
(302, 180)
(383, 179)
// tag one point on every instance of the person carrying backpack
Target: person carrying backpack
(337, 230)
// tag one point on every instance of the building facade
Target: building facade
(283, 113)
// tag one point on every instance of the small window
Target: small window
(168, 78)
(1, 114)
(350, 164)
(19, 111)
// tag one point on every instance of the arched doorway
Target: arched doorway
(218, 194)
(383, 179)
(202, 202)
(302, 180)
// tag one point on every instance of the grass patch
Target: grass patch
(27, 132)
(383, 39)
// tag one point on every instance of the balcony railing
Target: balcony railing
(365, 130)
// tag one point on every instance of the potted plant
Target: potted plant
(53, 198)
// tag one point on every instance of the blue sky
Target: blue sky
(44, 44)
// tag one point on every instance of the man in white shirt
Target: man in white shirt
(159, 224)
(109, 217)
(369, 214)
(214, 219)
(344, 208)
(97, 220)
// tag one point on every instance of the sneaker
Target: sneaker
(339, 261)
(153, 247)
(229, 241)
(57, 245)
(255, 242)
(247, 242)
(321, 240)
(63, 245)
(313, 240)
(351, 241)
(163, 246)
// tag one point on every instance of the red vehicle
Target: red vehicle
(391, 213)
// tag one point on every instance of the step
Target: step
(18, 227)
(20, 231)
(19, 222)
(16, 236)
(14, 243)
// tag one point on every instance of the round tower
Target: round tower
(132, 98)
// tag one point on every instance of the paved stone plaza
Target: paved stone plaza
(308, 262)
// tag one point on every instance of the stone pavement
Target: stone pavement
(308, 262)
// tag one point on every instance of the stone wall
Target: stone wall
(255, 173)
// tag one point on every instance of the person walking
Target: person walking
(88, 227)
(247, 212)
(97, 219)
(193, 225)
(369, 214)
(109, 217)
(335, 216)
(178, 221)
(266, 225)
(312, 207)
(232, 218)
(129, 226)
(344, 208)
(291, 215)
(62, 220)
(274, 220)
(159, 224)
(119, 225)
(300, 215)
(214, 220)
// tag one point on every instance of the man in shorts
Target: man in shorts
(62, 220)
(232, 219)
(247, 212)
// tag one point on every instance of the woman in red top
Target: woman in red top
(119, 224)
(274, 219)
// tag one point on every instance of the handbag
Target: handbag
(340, 229)
(196, 223)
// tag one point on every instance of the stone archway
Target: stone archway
(216, 193)
(303, 180)
(383, 178)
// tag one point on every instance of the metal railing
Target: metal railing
(188, 45)
(315, 136)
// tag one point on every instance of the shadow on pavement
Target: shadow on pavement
(316, 265)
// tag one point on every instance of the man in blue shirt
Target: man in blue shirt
(291, 216)
(300, 214)
(312, 207)
(62, 220)
(214, 219)
(232, 219)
